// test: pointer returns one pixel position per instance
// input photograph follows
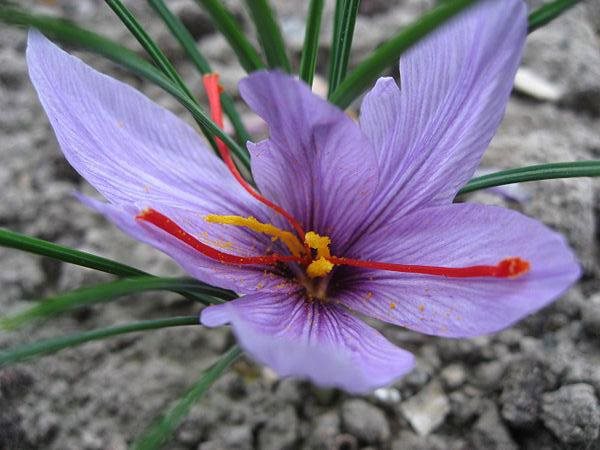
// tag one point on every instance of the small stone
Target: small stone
(453, 376)
(572, 413)
(522, 391)
(583, 371)
(428, 409)
(489, 374)
(281, 431)
(465, 405)
(365, 421)
(407, 440)
(326, 428)
(236, 437)
(387, 396)
(489, 433)
(590, 316)
(530, 83)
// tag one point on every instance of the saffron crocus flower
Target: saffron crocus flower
(360, 219)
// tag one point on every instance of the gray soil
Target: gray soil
(533, 386)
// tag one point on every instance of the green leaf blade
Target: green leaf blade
(341, 44)
(156, 436)
(364, 75)
(188, 44)
(548, 12)
(44, 248)
(269, 34)
(231, 30)
(308, 63)
(534, 173)
(53, 345)
(66, 32)
(102, 293)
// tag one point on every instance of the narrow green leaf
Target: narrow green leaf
(342, 41)
(53, 345)
(187, 42)
(308, 63)
(147, 43)
(159, 58)
(156, 436)
(103, 293)
(337, 21)
(534, 173)
(40, 247)
(367, 71)
(269, 34)
(67, 32)
(232, 31)
(548, 12)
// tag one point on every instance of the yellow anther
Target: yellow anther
(288, 238)
(319, 268)
(318, 243)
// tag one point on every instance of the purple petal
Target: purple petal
(459, 235)
(322, 342)
(139, 155)
(455, 86)
(317, 164)
(129, 148)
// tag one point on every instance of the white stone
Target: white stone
(427, 409)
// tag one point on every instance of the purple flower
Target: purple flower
(374, 199)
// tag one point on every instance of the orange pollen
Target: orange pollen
(213, 92)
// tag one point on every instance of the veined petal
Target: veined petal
(322, 342)
(128, 147)
(139, 155)
(455, 84)
(458, 235)
(317, 164)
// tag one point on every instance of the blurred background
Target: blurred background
(534, 386)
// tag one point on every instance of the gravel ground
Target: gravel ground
(534, 386)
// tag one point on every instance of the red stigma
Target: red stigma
(507, 268)
(213, 92)
(164, 223)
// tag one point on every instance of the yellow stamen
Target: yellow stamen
(319, 243)
(288, 238)
(319, 268)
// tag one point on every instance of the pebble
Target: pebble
(572, 413)
(365, 421)
(428, 409)
(530, 83)
(522, 391)
(453, 376)
(590, 316)
(489, 433)
(281, 430)
(324, 431)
